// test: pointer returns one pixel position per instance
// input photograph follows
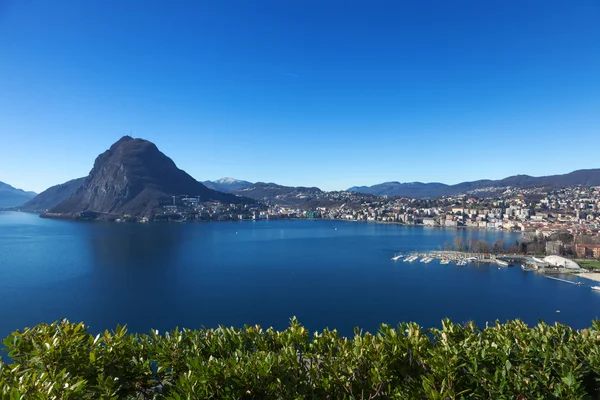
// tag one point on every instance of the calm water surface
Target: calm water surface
(327, 273)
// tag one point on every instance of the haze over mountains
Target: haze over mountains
(584, 177)
(13, 197)
(52, 196)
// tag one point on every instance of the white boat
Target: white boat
(445, 261)
(396, 258)
(428, 260)
(502, 263)
(597, 288)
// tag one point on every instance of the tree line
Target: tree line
(472, 245)
(530, 243)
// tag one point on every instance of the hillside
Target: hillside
(409, 189)
(227, 185)
(53, 196)
(134, 178)
(13, 197)
(584, 177)
(285, 195)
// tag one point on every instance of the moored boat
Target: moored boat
(501, 263)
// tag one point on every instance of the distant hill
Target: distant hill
(13, 197)
(134, 178)
(583, 177)
(227, 185)
(53, 196)
(409, 189)
(281, 194)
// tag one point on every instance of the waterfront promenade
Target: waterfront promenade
(592, 276)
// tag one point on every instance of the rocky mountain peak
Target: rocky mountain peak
(134, 177)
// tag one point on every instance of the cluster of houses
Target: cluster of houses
(543, 213)
(534, 211)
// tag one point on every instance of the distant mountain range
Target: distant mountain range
(408, 189)
(271, 192)
(227, 185)
(132, 178)
(53, 196)
(583, 177)
(13, 197)
(284, 194)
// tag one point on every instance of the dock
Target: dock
(564, 280)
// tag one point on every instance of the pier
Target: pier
(564, 280)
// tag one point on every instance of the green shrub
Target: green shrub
(503, 361)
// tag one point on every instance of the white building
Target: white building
(557, 261)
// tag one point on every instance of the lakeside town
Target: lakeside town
(561, 222)
(572, 210)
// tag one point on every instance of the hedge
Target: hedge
(64, 360)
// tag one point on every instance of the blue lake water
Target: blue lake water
(327, 273)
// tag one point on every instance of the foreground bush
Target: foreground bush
(505, 361)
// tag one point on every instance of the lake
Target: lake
(332, 274)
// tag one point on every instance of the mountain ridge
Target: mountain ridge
(262, 191)
(227, 185)
(583, 177)
(53, 196)
(11, 196)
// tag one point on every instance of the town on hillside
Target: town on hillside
(562, 221)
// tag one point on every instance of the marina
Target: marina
(447, 257)
(527, 263)
(463, 259)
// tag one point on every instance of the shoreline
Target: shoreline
(111, 218)
(403, 224)
(592, 276)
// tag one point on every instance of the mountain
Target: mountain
(285, 195)
(409, 189)
(227, 185)
(583, 177)
(134, 178)
(13, 197)
(53, 196)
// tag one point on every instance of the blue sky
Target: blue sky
(325, 93)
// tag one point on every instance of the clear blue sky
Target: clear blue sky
(302, 92)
